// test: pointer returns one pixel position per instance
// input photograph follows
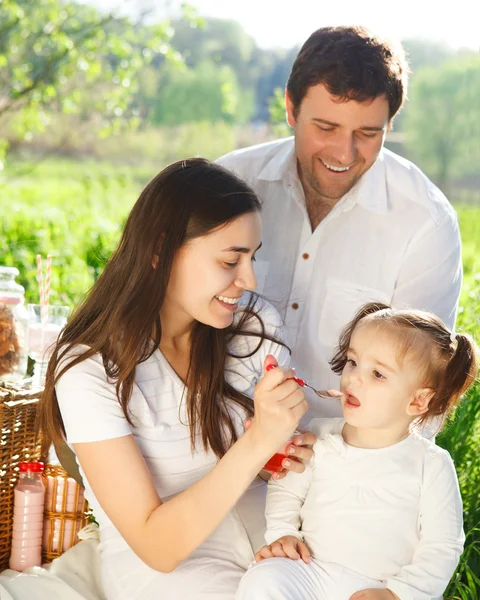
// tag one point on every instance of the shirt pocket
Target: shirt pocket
(343, 299)
(261, 269)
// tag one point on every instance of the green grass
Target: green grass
(461, 436)
(75, 211)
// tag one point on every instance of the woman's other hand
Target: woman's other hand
(297, 452)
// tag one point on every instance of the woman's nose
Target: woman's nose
(246, 278)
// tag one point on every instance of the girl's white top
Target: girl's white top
(91, 412)
(393, 514)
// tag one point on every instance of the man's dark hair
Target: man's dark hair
(353, 64)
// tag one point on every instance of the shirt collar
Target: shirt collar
(282, 162)
(370, 191)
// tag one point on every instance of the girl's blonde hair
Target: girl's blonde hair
(449, 361)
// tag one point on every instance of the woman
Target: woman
(153, 378)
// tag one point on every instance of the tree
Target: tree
(68, 58)
(442, 125)
(205, 93)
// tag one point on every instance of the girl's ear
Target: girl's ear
(419, 405)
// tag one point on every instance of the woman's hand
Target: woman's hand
(297, 452)
(287, 546)
(279, 404)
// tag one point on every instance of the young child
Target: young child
(377, 515)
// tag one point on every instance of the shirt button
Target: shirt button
(305, 255)
(294, 306)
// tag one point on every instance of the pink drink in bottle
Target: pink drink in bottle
(28, 517)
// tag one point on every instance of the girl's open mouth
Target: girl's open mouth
(351, 401)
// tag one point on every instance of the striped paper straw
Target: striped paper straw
(48, 276)
(41, 291)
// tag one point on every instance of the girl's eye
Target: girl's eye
(254, 258)
(378, 375)
(230, 265)
(351, 362)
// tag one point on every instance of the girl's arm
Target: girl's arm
(441, 533)
(161, 533)
(285, 499)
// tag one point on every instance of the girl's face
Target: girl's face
(210, 274)
(378, 389)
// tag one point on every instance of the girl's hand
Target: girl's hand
(279, 404)
(287, 546)
(374, 594)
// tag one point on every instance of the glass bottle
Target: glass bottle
(13, 327)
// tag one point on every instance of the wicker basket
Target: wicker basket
(17, 426)
(66, 512)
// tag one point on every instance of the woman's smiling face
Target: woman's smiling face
(210, 273)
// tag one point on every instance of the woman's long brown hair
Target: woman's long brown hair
(120, 317)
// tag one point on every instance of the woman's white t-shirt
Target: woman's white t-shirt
(91, 412)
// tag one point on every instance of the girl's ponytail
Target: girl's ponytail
(460, 373)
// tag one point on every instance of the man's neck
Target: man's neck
(318, 206)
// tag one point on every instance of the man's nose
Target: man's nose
(346, 150)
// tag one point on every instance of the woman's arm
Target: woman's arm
(163, 534)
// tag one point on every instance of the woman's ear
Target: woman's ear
(419, 405)
(156, 256)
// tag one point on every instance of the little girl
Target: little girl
(378, 514)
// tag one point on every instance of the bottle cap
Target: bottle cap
(33, 467)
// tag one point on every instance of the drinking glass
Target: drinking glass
(42, 335)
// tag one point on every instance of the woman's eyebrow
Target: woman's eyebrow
(241, 249)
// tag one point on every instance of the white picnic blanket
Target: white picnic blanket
(75, 575)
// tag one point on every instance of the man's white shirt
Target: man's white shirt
(393, 238)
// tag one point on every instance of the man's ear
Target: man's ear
(291, 120)
(419, 405)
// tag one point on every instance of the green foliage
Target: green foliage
(206, 93)
(276, 109)
(66, 57)
(442, 124)
(74, 213)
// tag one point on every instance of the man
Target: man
(345, 220)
